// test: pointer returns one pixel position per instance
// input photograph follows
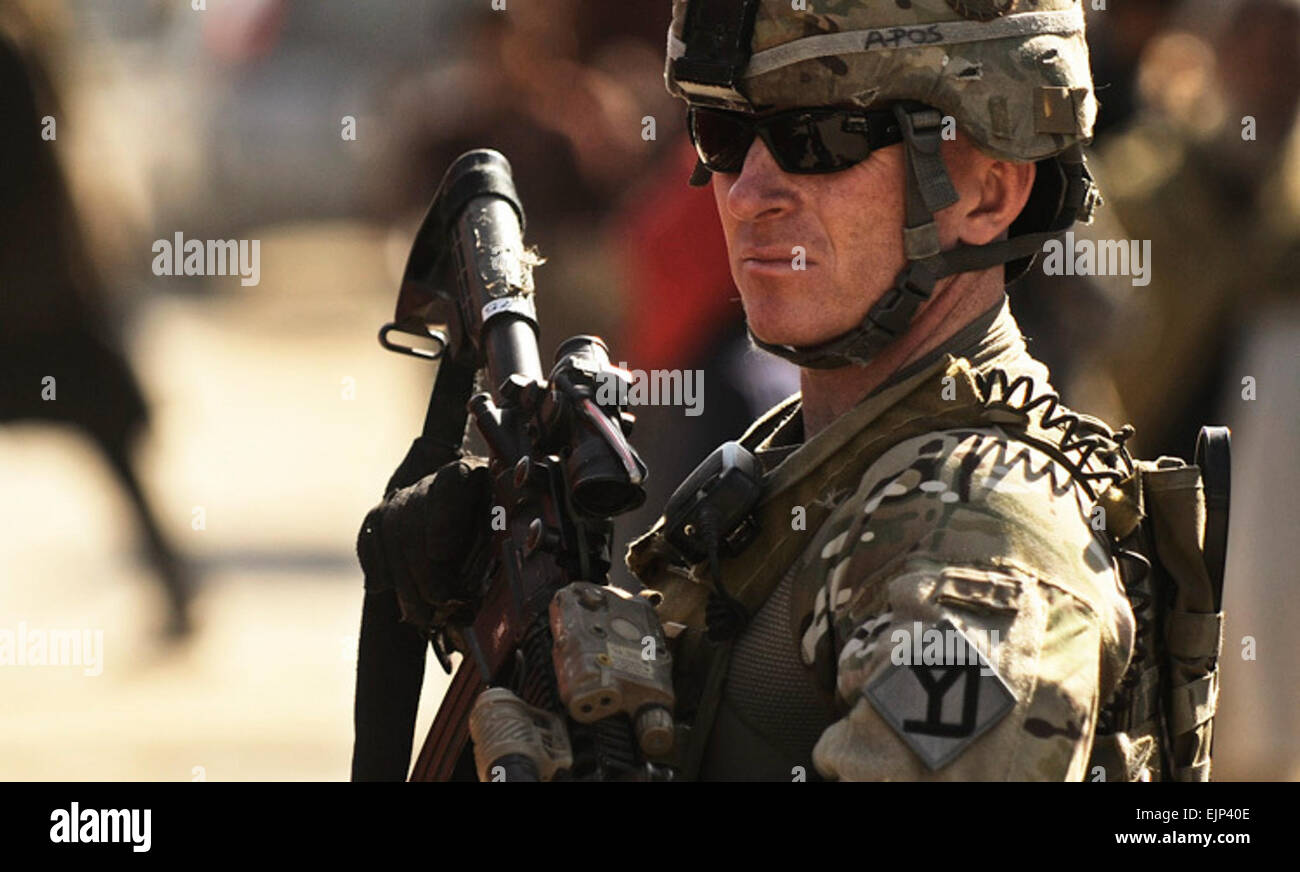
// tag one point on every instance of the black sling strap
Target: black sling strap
(391, 655)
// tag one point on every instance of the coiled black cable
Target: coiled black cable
(1087, 439)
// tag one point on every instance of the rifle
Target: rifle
(562, 676)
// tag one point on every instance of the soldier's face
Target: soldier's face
(812, 253)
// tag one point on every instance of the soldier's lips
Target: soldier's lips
(770, 262)
(771, 270)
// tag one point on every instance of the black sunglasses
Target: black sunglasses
(804, 141)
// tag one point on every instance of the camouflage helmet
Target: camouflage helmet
(1013, 74)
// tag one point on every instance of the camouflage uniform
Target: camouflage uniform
(967, 525)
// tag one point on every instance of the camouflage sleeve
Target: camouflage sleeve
(972, 674)
(970, 623)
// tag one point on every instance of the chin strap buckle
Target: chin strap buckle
(893, 313)
(887, 320)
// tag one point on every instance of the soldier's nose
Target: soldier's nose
(761, 189)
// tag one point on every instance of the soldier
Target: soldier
(933, 591)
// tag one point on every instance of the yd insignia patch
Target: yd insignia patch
(941, 708)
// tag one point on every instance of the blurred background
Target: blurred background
(184, 461)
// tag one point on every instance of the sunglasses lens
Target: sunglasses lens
(721, 140)
(807, 143)
(801, 141)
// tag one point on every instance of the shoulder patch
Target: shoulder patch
(942, 696)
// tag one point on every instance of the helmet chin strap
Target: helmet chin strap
(929, 189)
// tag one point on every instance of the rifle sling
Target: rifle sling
(390, 654)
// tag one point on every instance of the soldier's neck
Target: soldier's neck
(829, 393)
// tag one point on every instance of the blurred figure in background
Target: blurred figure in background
(1117, 38)
(563, 91)
(571, 93)
(59, 356)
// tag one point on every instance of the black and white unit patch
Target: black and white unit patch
(940, 693)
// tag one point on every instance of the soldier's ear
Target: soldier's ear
(992, 193)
